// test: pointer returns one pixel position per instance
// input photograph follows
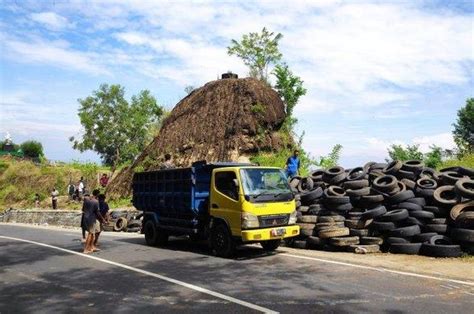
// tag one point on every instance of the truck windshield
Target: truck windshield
(265, 185)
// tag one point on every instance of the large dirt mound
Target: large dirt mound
(224, 120)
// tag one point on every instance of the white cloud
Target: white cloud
(51, 20)
(443, 140)
(53, 53)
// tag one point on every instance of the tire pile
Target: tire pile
(401, 208)
(124, 221)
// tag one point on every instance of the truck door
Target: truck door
(225, 199)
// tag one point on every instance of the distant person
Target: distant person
(293, 164)
(81, 187)
(104, 180)
(83, 221)
(92, 219)
(167, 164)
(54, 198)
(37, 200)
(104, 211)
(71, 189)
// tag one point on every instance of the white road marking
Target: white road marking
(468, 283)
(147, 273)
(446, 287)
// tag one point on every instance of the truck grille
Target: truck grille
(273, 220)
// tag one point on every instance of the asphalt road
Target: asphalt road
(129, 276)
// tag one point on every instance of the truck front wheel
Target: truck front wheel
(154, 236)
(221, 241)
(270, 245)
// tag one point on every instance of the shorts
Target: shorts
(94, 228)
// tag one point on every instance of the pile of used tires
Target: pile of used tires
(398, 207)
(124, 221)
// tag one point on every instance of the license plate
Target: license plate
(277, 232)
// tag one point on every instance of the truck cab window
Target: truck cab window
(225, 184)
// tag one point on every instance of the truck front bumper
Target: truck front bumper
(270, 233)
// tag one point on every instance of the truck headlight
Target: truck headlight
(292, 219)
(249, 221)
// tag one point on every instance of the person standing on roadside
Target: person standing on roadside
(92, 217)
(293, 164)
(37, 200)
(70, 190)
(81, 188)
(104, 212)
(54, 198)
(104, 180)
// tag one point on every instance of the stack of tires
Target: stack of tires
(124, 221)
(397, 207)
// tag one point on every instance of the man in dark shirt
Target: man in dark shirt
(103, 209)
(91, 212)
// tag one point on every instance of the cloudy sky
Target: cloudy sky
(377, 72)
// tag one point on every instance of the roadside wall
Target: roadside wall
(70, 218)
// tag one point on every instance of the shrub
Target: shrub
(32, 149)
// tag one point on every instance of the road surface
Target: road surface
(43, 271)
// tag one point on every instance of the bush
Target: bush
(466, 161)
(32, 149)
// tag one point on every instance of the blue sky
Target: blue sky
(377, 72)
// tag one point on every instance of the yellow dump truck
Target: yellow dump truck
(227, 203)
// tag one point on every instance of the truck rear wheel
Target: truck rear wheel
(270, 245)
(222, 243)
(153, 235)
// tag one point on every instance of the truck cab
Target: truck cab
(226, 203)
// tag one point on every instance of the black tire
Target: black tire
(344, 241)
(134, 229)
(445, 195)
(336, 200)
(358, 192)
(337, 218)
(310, 196)
(405, 248)
(410, 206)
(357, 184)
(294, 181)
(410, 184)
(340, 208)
(425, 193)
(465, 188)
(465, 220)
(424, 237)
(357, 173)
(437, 211)
(153, 235)
(459, 208)
(463, 235)
(440, 229)
(222, 243)
(410, 221)
(440, 240)
(404, 174)
(270, 245)
(413, 165)
(303, 209)
(315, 241)
(335, 191)
(429, 173)
(421, 214)
(371, 240)
(363, 248)
(408, 231)
(466, 171)
(334, 171)
(438, 221)
(359, 232)
(450, 177)
(305, 184)
(393, 167)
(395, 215)
(120, 224)
(299, 244)
(401, 197)
(435, 250)
(392, 240)
(376, 212)
(420, 201)
(382, 226)
(308, 219)
(385, 183)
(357, 223)
(426, 183)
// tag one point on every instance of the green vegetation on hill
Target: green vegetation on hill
(20, 180)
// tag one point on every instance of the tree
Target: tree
(290, 88)
(32, 149)
(464, 128)
(115, 129)
(434, 157)
(332, 158)
(258, 51)
(397, 152)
